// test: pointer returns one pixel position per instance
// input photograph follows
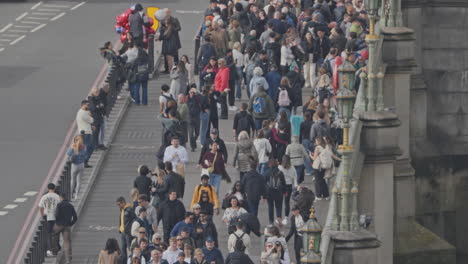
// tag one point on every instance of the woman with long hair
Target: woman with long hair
(263, 148)
(179, 79)
(171, 41)
(189, 68)
(320, 153)
(111, 253)
(77, 156)
(205, 204)
(214, 162)
(244, 151)
(239, 61)
(238, 192)
(290, 177)
(308, 45)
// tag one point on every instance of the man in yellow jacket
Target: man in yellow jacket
(205, 187)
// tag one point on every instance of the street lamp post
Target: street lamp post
(311, 234)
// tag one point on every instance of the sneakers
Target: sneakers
(284, 221)
(318, 199)
(233, 108)
(50, 254)
(328, 198)
(277, 221)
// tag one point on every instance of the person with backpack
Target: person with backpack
(257, 80)
(243, 121)
(204, 186)
(323, 161)
(165, 99)
(142, 76)
(284, 101)
(237, 236)
(238, 256)
(273, 78)
(320, 128)
(261, 107)
(207, 51)
(276, 187)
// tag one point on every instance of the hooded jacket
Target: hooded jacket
(244, 150)
(269, 112)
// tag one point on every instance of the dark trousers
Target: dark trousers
(253, 206)
(96, 132)
(321, 187)
(232, 89)
(184, 126)
(241, 174)
(167, 232)
(258, 123)
(194, 131)
(125, 242)
(297, 247)
(287, 199)
(300, 173)
(88, 141)
(50, 236)
(224, 107)
(214, 121)
(275, 203)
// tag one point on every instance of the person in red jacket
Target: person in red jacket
(221, 85)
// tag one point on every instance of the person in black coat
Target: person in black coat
(170, 212)
(304, 198)
(172, 182)
(214, 137)
(322, 46)
(297, 82)
(98, 109)
(204, 228)
(255, 187)
(143, 183)
(276, 186)
(294, 231)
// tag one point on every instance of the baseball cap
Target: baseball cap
(214, 131)
(209, 239)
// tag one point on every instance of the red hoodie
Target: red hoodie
(221, 81)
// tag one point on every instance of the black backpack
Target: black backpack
(239, 240)
(243, 123)
(169, 98)
(322, 131)
(175, 131)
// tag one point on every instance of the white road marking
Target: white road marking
(17, 40)
(21, 16)
(189, 11)
(10, 35)
(3, 213)
(17, 30)
(6, 27)
(20, 200)
(59, 6)
(78, 5)
(48, 10)
(5, 40)
(38, 18)
(10, 206)
(57, 16)
(43, 14)
(36, 5)
(38, 27)
(32, 193)
(20, 26)
(2, 49)
(30, 22)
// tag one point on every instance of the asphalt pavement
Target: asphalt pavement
(44, 76)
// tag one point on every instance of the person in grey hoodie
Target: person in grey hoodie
(244, 151)
(297, 152)
(261, 107)
(257, 80)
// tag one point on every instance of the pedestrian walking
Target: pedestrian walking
(213, 164)
(142, 182)
(47, 208)
(243, 153)
(176, 154)
(205, 187)
(195, 110)
(76, 156)
(126, 218)
(255, 188)
(111, 253)
(290, 177)
(221, 85)
(171, 212)
(276, 189)
(298, 153)
(261, 107)
(65, 218)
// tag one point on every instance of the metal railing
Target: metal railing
(197, 39)
(37, 249)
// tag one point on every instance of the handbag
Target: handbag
(180, 169)
(316, 164)
(211, 168)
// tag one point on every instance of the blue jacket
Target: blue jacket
(213, 255)
(77, 158)
(179, 226)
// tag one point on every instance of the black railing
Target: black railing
(151, 53)
(36, 252)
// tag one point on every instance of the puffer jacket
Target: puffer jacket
(244, 150)
(221, 81)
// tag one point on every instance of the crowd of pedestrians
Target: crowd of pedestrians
(266, 53)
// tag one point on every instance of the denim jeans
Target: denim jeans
(284, 109)
(258, 123)
(300, 173)
(88, 141)
(262, 167)
(76, 173)
(205, 120)
(253, 206)
(102, 132)
(144, 92)
(215, 181)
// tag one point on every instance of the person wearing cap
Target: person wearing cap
(204, 186)
(204, 228)
(84, 122)
(212, 254)
(214, 137)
